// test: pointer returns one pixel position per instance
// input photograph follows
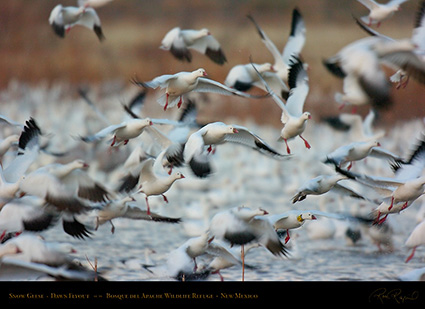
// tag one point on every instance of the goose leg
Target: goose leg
(147, 205)
(377, 218)
(166, 101)
(112, 227)
(392, 203)
(307, 145)
(287, 147)
(114, 140)
(243, 262)
(287, 236)
(411, 255)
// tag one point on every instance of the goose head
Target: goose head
(204, 32)
(200, 73)
(178, 175)
(306, 216)
(266, 67)
(305, 116)
(231, 130)
(79, 164)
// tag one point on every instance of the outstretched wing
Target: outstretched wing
(249, 139)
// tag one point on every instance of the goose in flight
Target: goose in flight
(125, 208)
(323, 184)
(63, 18)
(179, 41)
(243, 77)
(293, 47)
(217, 133)
(122, 132)
(409, 63)
(176, 85)
(293, 118)
(151, 182)
(379, 12)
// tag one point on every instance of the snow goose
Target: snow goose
(122, 132)
(293, 47)
(415, 239)
(380, 12)
(408, 63)
(37, 259)
(356, 151)
(8, 190)
(359, 130)
(241, 226)
(397, 193)
(323, 184)
(64, 185)
(62, 19)
(17, 270)
(293, 219)
(223, 258)
(122, 209)
(293, 118)
(7, 143)
(217, 133)
(180, 263)
(196, 246)
(25, 214)
(360, 65)
(153, 183)
(176, 85)
(28, 151)
(33, 248)
(243, 77)
(66, 191)
(179, 41)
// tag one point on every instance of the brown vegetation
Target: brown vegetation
(30, 52)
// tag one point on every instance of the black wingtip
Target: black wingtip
(99, 33)
(296, 66)
(296, 19)
(59, 30)
(200, 169)
(216, 56)
(334, 68)
(76, 229)
(31, 130)
(260, 32)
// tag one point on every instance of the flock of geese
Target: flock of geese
(36, 196)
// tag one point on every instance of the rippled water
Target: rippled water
(256, 181)
(244, 177)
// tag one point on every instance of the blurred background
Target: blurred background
(32, 54)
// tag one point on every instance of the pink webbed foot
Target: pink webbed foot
(307, 145)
